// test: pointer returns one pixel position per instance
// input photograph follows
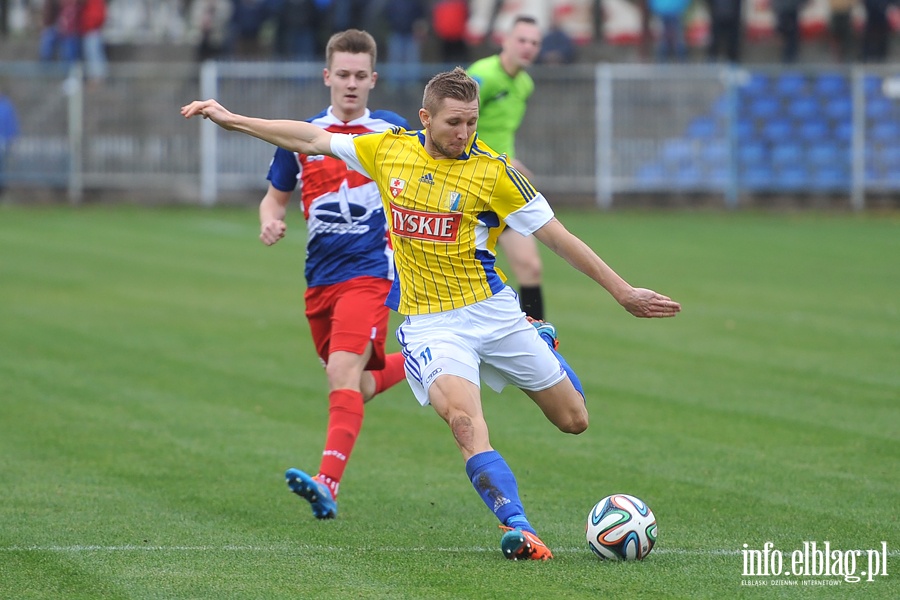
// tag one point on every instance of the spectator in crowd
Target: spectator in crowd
(209, 23)
(597, 19)
(50, 40)
(725, 29)
(348, 14)
(247, 18)
(298, 22)
(671, 16)
(9, 131)
(407, 25)
(787, 18)
(91, 17)
(67, 28)
(557, 48)
(646, 43)
(448, 20)
(877, 31)
(841, 26)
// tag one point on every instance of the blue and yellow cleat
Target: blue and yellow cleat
(546, 330)
(313, 491)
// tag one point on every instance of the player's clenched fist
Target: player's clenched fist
(272, 231)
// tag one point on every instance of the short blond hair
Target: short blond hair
(455, 84)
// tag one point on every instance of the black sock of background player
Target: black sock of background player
(532, 302)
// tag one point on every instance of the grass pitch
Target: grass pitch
(157, 378)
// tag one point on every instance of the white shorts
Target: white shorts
(490, 338)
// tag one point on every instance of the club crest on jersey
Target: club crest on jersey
(420, 225)
(397, 186)
(453, 200)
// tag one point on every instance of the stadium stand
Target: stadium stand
(792, 134)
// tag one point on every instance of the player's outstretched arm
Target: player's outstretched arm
(296, 136)
(640, 302)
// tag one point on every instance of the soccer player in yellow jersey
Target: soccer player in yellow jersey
(446, 199)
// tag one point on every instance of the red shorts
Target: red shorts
(347, 316)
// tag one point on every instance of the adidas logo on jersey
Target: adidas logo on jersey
(427, 178)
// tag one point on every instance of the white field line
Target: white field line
(309, 548)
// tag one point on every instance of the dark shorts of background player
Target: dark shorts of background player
(347, 316)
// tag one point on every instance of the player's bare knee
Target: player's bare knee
(342, 374)
(575, 426)
(463, 430)
(527, 270)
(532, 270)
(337, 378)
(575, 422)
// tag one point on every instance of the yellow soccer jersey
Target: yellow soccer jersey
(444, 215)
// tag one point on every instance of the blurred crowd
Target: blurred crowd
(299, 29)
(726, 28)
(73, 30)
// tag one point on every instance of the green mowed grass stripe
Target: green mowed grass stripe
(421, 574)
(157, 379)
(299, 549)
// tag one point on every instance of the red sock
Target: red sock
(345, 416)
(331, 483)
(392, 374)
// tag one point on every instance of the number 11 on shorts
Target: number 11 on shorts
(425, 356)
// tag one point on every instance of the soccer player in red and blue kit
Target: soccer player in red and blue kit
(349, 262)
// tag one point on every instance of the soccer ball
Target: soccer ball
(621, 527)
